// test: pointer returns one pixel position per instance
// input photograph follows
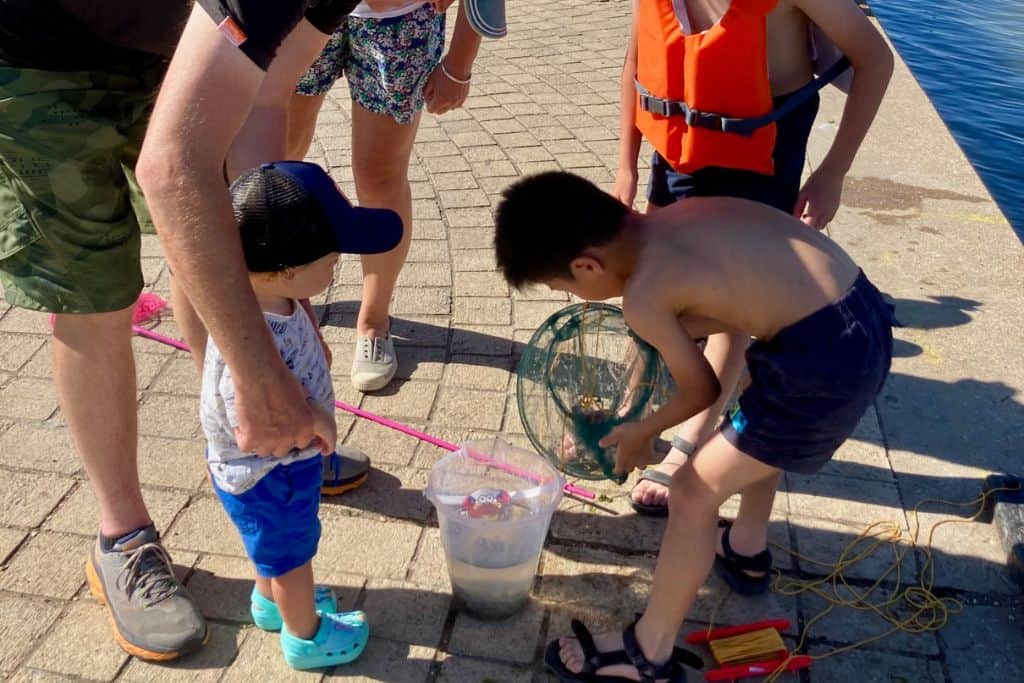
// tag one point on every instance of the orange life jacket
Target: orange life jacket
(691, 86)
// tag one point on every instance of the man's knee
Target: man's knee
(94, 328)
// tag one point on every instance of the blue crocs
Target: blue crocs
(266, 615)
(340, 639)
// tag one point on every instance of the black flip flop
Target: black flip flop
(659, 477)
(675, 670)
(733, 567)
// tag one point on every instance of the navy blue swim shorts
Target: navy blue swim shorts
(812, 382)
(278, 517)
(667, 185)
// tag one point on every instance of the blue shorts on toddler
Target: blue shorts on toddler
(278, 517)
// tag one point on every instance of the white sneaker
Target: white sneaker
(374, 363)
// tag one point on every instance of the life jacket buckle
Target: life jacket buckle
(703, 119)
(655, 105)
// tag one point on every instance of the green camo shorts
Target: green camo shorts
(70, 208)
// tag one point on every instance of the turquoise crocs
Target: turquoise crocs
(340, 640)
(267, 617)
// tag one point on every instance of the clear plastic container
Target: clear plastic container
(494, 504)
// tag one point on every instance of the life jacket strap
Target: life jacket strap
(745, 127)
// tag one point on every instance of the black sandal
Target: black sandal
(733, 568)
(675, 670)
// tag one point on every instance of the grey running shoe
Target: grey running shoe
(152, 614)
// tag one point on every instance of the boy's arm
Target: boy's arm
(851, 31)
(657, 323)
(629, 135)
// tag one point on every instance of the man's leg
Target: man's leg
(189, 323)
(303, 111)
(699, 487)
(94, 373)
(725, 353)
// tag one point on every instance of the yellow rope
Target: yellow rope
(747, 647)
(911, 609)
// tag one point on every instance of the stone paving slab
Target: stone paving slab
(914, 214)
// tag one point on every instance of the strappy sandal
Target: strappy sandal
(663, 478)
(733, 567)
(675, 670)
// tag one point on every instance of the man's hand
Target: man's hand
(819, 199)
(274, 416)
(324, 421)
(442, 94)
(625, 186)
(635, 447)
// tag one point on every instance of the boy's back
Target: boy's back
(727, 264)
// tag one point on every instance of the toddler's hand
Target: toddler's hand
(818, 201)
(634, 447)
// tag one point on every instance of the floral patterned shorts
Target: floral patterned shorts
(386, 61)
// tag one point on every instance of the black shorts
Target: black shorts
(266, 23)
(813, 381)
(780, 190)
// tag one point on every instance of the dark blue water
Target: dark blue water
(968, 55)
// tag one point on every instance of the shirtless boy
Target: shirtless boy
(711, 265)
(758, 54)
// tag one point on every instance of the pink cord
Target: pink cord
(397, 426)
(149, 334)
(405, 429)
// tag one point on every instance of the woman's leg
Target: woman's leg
(381, 150)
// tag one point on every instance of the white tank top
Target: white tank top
(364, 11)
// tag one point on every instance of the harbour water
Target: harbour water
(969, 58)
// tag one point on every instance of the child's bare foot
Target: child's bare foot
(650, 495)
(606, 657)
(572, 655)
(652, 492)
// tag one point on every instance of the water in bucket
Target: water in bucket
(494, 504)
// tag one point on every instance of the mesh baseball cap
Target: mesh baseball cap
(487, 17)
(291, 213)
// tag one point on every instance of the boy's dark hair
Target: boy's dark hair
(544, 221)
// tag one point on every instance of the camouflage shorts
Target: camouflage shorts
(70, 209)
